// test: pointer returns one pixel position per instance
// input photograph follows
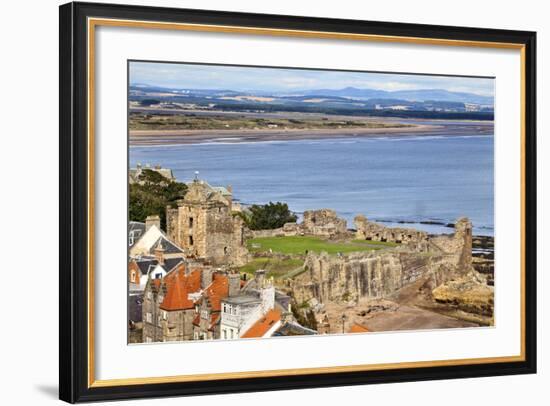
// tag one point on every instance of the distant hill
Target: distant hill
(419, 95)
(410, 95)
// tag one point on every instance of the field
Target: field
(156, 121)
(300, 245)
(293, 250)
(275, 267)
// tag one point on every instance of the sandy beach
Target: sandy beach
(180, 137)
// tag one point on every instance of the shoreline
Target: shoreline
(184, 137)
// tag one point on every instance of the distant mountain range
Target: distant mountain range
(418, 95)
(409, 95)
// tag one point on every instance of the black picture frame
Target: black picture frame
(74, 385)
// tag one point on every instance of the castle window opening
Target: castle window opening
(190, 240)
(190, 222)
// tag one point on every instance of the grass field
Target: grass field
(152, 121)
(275, 267)
(299, 245)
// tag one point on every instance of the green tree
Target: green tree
(152, 194)
(269, 216)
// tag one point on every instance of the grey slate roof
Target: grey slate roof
(145, 264)
(168, 246)
(137, 229)
(293, 329)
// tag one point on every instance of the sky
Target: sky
(190, 76)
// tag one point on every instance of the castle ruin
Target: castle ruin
(379, 274)
(204, 225)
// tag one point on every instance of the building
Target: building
(135, 230)
(134, 173)
(207, 320)
(203, 224)
(155, 264)
(185, 304)
(241, 312)
(266, 326)
(168, 305)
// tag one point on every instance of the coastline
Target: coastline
(182, 137)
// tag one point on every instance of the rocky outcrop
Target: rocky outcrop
(470, 294)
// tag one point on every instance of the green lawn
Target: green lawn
(274, 266)
(299, 245)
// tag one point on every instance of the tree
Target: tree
(269, 216)
(151, 194)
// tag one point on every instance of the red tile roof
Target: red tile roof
(217, 290)
(358, 328)
(178, 286)
(263, 325)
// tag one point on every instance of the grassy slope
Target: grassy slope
(299, 245)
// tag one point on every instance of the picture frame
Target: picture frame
(79, 165)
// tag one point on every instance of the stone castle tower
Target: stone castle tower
(204, 225)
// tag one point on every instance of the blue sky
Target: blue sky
(280, 80)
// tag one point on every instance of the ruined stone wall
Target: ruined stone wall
(172, 224)
(323, 222)
(368, 230)
(379, 274)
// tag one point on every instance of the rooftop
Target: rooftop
(262, 326)
(243, 300)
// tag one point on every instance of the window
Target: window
(148, 340)
(133, 276)
(224, 334)
(232, 334)
(190, 222)
(148, 295)
(190, 240)
(148, 317)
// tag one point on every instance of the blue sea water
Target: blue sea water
(424, 178)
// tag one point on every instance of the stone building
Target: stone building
(241, 312)
(371, 231)
(134, 173)
(204, 224)
(206, 325)
(168, 309)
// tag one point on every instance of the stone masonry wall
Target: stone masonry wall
(378, 274)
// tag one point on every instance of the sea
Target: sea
(422, 182)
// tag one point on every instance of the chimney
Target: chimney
(159, 252)
(260, 278)
(153, 220)
(206, 276)
(234, 284)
